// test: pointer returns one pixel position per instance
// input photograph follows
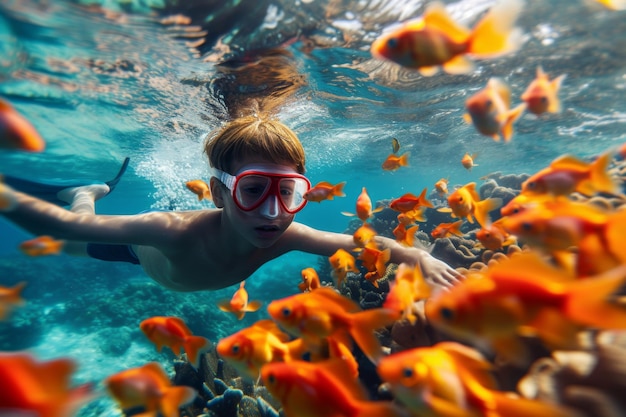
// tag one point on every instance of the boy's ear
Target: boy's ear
(216, 192)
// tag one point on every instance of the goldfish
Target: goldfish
(307, 389)
(466, 203)
(494, 236)
(447, 229)
(342, 263)
(10, 297)
(408, 287)
(450, 379)
(200, 188)
(363, 207)
(148, 386)
(405, 236)
(436, 40)
(239, 304)
(42, 246)
(567, 174)
(325, 191)
(364, 235)
(525, 295)
(521, 201)
(409, 202)
(310, 280)
(613, 4)
(249, 349)
(394, 162)
(468, 161)
(489, 110)
(174, 333)
(441, 187)
(324, 312)
(395, 145)
(375, 261)
(16, 132)
(410, 217)
(541, 96)
(36, 388)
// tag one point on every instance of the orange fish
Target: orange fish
(249, 349)
(10, 297)
(364, 235)
(310, 280)
(200, 188)
(16, 132)
(408, 287)
(307, 389)
(452, 379)
(239, 304)
(375, 261)
(489, 110)
(436, 40)
(567, 174)
(525, 295)
(363, 207)
(34, 388)
(466, 203)
(394, 162)
(542, 94)
(174, 333)
(447, 229)
(42, 246)
(613, 4)
(409, 202)
(149, 387)
(442, 187)
(410, 217)
(494, 236)
(325, 191)
(342, 262)
(468, 161)
(404, 236)
(324, 312)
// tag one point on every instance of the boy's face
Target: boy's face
(265, 223)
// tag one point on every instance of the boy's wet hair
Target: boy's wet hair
(254, 136)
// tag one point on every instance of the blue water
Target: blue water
(102, 80)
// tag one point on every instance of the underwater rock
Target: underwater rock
(116, 341)
(455, 251)
(511, 181)
(227, 404)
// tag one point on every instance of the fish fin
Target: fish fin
(495, 34)
(600, 176)
(224, 305)
(444, 407)
(555, 330)
(363, 326)
(333, 296)
(481, 212)
(436, 17)
(174, 398)
(614, 235)
(338, 190)
(511, 117)
(555, 86)
(458, 65)
(423, 200)
(428, 71)
(194, 345)
(468, 118)
(347, 213)
(253, 306)
(444, 210)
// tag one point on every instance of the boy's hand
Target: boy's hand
(438, 272)
(8, 202)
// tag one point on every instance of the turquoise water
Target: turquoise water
(103, 80)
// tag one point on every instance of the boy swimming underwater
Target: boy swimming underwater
(257, 187)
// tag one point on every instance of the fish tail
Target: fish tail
(194, 345)
(555, 86)
(15, 296)
(455, 229)
(423, 200)
(174, 398)
(404, 160)
(338, 190)
(362, 330)
(600, 177)
(495, 34)
(586, 300)
(511, 117)
(481, 213)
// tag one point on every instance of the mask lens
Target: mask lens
(291, 192)
(251, 189)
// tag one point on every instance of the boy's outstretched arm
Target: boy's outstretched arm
(324, 243)
(40, 217)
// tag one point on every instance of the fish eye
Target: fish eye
(531, 184)
(286, 311)
(488, 103)
(392, 43)
(544, 99)
(487, 235)
(271, 379)
(407, 372)
(446, 313)
(235, 348)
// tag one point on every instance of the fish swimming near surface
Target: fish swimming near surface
(174, 333)
(324, 190)
(39, 388)
(16, 132)
(239, 304)
(394, 162)
(310, 280)
(489, 110)
(199, 188)
(465, 202)
(42, 246)
(10, 297)
(436, 40)
(542, 95)
(363, 207)
(149, 387)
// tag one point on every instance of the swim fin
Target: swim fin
(48, 190)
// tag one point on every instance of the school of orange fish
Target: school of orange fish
(562, 285)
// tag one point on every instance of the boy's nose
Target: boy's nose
(270, 207)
